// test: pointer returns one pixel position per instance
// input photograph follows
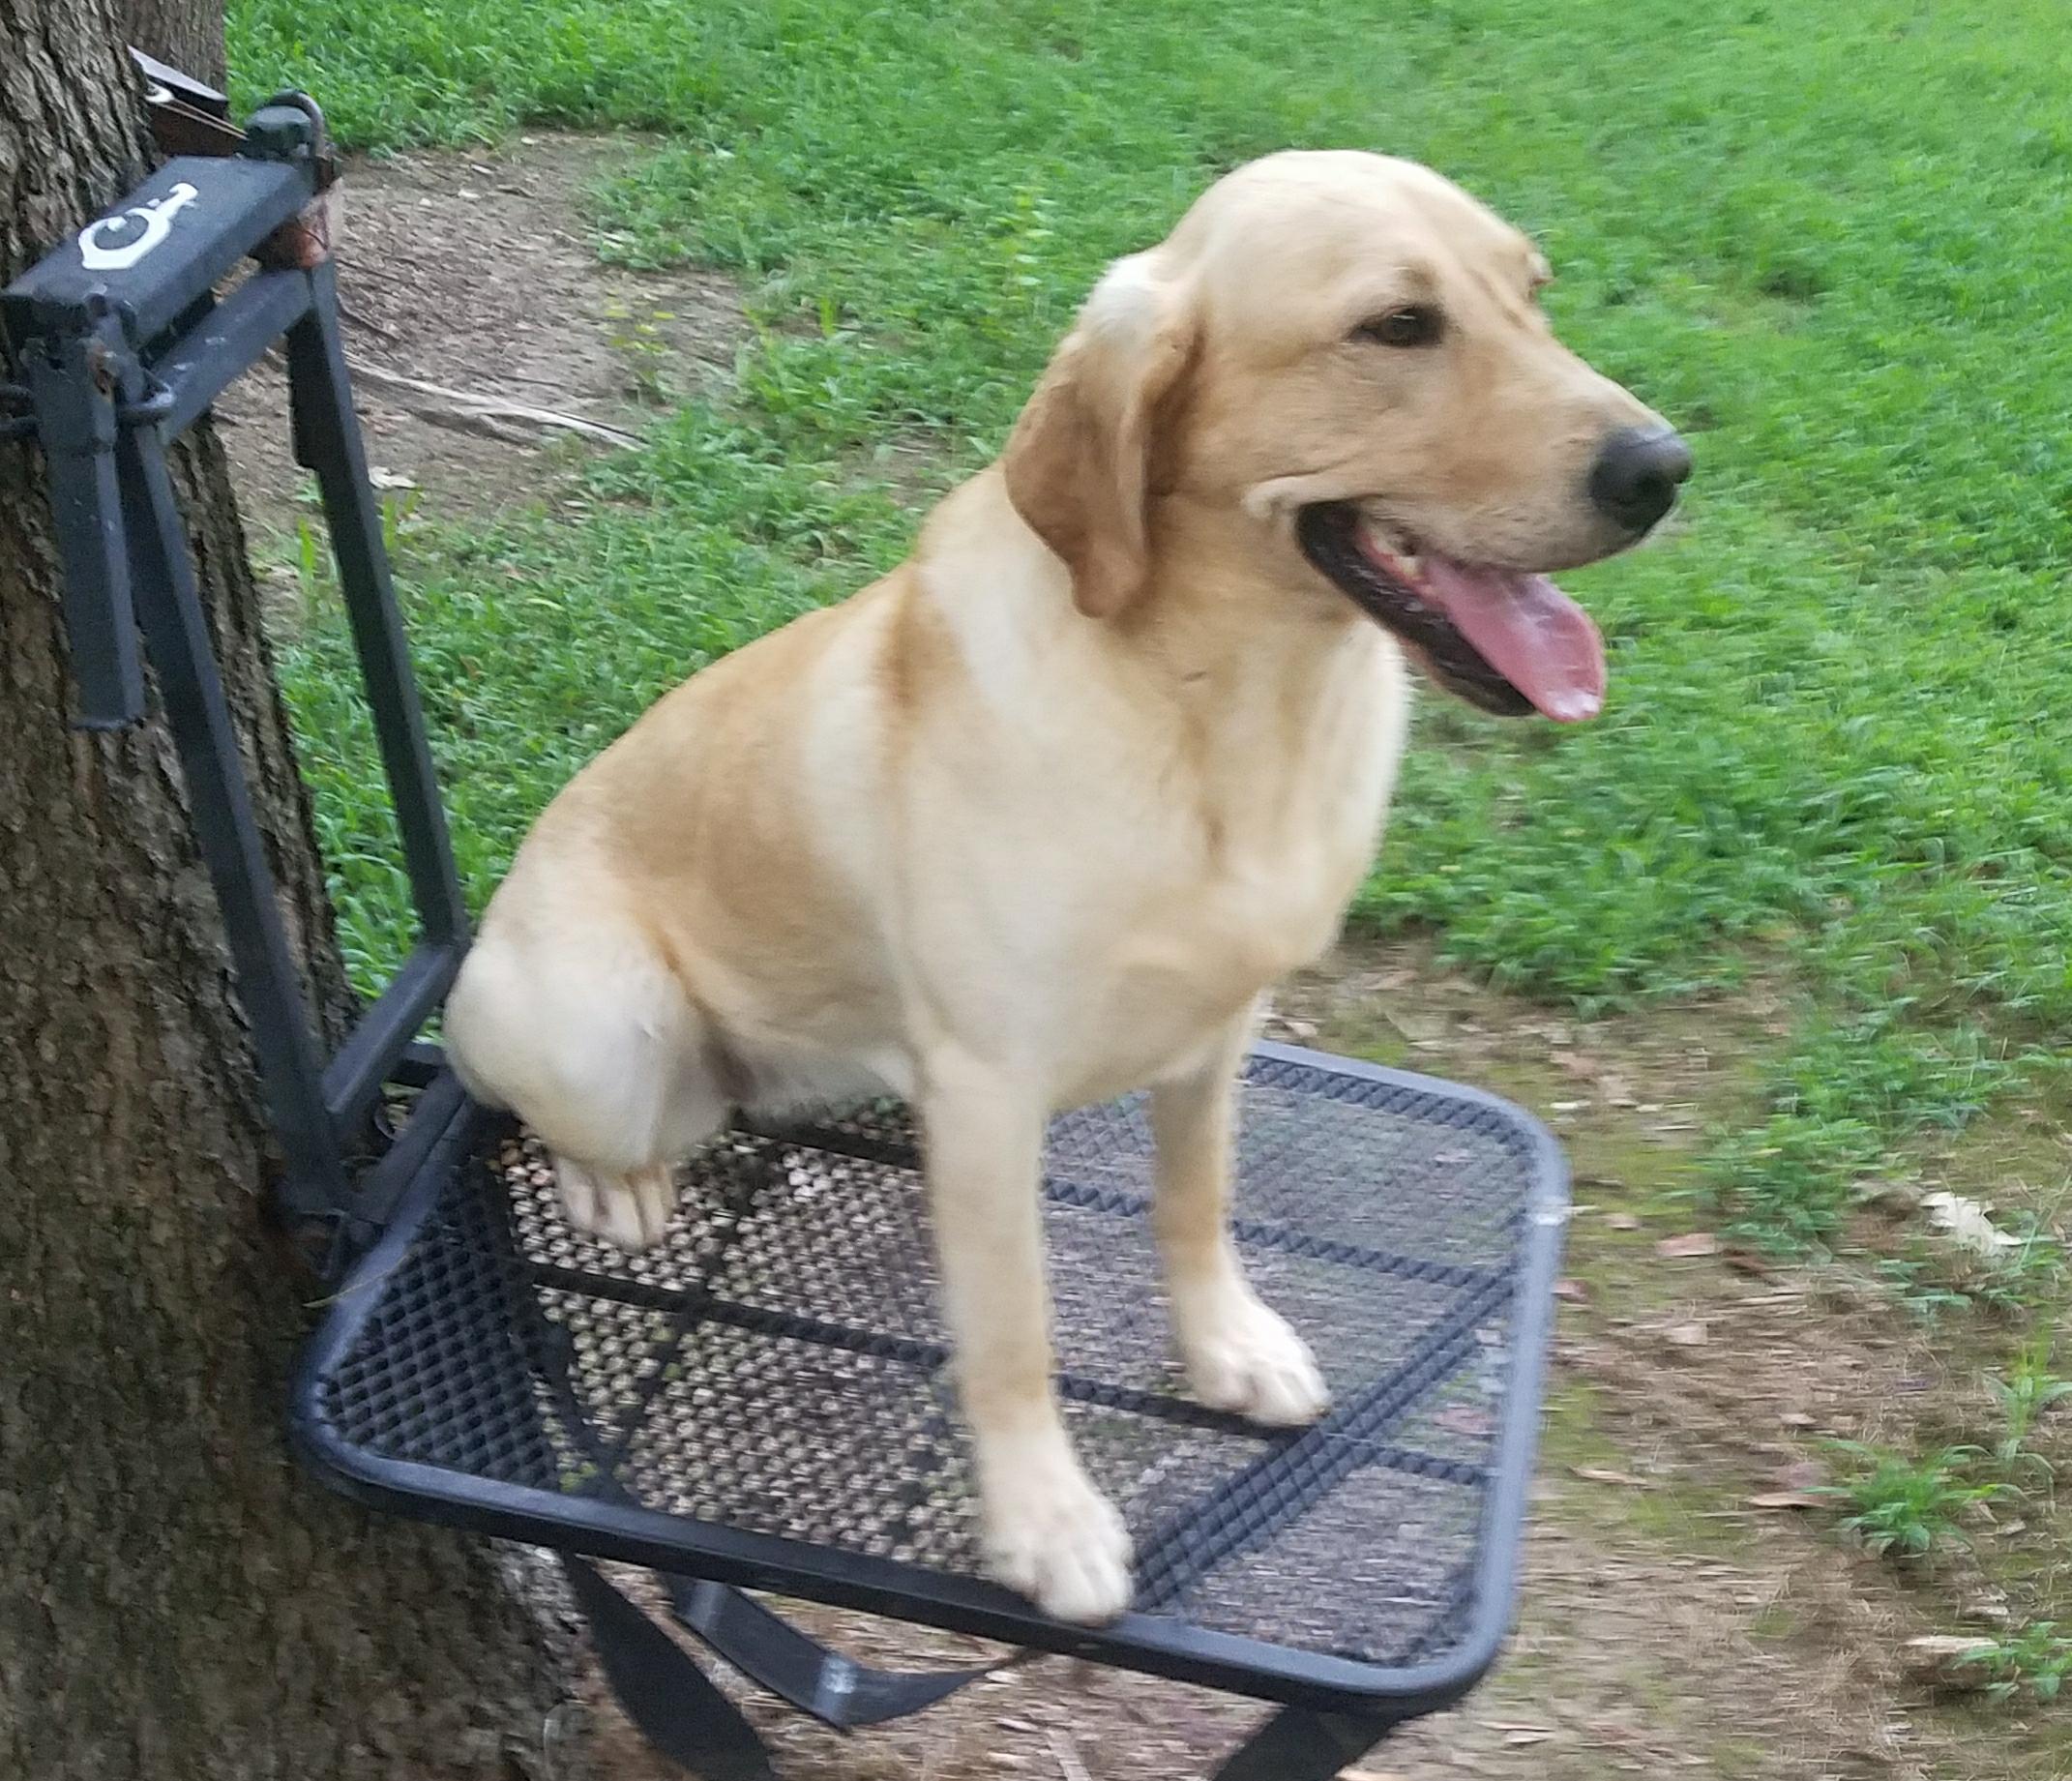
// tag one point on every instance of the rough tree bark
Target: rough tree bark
(189, 34)
(176, 1601)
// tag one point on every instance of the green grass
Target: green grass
(1908, 1506)
(2036, 1659)
(1828, 238)
(2025, 1394)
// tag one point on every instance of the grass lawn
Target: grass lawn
(1828, 238)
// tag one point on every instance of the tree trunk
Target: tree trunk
(189, 34)
(176, 1600)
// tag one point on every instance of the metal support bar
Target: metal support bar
(72, 380)
(168, 602)
(1298, 1745)
(676, 1706)
(368, 1057)
(229, 339)
(836, 1690)
(442, 1105)
(327, 440)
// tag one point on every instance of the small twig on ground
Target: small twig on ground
(437, 403)
(358, 320)
(1068, 1756)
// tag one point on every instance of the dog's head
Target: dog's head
(1347, 350)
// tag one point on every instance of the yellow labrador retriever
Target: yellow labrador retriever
(1038, 817)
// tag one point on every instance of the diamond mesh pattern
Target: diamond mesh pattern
(776, 1364)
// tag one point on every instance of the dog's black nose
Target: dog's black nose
(1637, 474)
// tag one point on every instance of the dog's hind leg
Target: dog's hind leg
(595, 1045)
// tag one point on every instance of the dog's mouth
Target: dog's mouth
(1502, 638)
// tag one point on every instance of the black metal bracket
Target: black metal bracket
(822, 1683)
(188, 116)
(684, 1714)
(118, 342)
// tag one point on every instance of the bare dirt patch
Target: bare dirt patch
(475, 271)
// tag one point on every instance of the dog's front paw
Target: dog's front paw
(1242, 1356)
(1052, 1535)
(631, 1210)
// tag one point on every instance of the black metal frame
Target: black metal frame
(607, 1527)
(116, 361)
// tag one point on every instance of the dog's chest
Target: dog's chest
(1254, 881)
(1267, 897)
(1126, 886)
(1288, 824)
(1196, 949)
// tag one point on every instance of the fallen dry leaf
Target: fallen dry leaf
(1689, 1335)
(1965, 1223)
(1785, 1499)
(1621, 1221)
(1572, 1291)
(1682, 1248)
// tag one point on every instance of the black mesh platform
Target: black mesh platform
(762, 1398)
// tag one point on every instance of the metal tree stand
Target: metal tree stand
(760, 1400)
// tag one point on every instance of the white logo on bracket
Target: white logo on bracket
(157, 219)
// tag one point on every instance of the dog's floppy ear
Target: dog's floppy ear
(1079, 462)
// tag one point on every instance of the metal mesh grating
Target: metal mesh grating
(776, 1365)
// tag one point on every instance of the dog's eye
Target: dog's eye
(1415, 324)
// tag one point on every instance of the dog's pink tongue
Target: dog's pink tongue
(1533, 634)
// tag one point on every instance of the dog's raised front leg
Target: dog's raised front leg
(1047, 1532)
(1240, 1355)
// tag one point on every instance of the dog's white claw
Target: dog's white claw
(632, 1212)
(1049, 1534)
(1246, 1359)
(654, 1194)
(579, 1195)
(621, 1222)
